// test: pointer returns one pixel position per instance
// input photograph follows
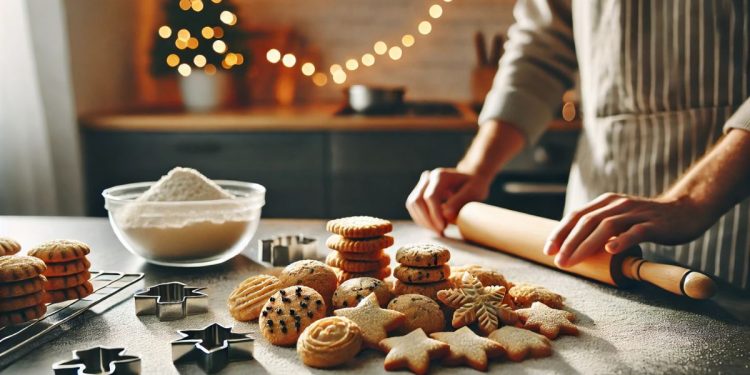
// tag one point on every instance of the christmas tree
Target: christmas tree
(199, 34)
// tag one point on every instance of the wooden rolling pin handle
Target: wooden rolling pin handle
(675, 279)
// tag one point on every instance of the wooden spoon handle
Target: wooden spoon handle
(674, 279)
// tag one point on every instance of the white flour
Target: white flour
(184, 184)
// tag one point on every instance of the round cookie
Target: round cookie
(421, 312)
(311, 273)
(22, 302)
(423, 255)
(421, 275)
(70, 281)
(9, 246)
(524, 295)
(359, 227)
(486, 276)
(329, 342)
(248, 298)
(23, 287)
(334, 260)
(58, 251)
(67, 268)
(20, 267)
(371, 256)
(288, 312)
(351, 291)
(367, 245)
(377, 274)
(76, 292)
(22, 315)
(430, 289)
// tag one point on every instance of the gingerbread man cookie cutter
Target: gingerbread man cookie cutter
(99, 360)
(170, 301)
(212, 347)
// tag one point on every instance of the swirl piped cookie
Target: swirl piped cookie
(329, 342)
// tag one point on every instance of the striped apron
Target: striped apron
(658, 81)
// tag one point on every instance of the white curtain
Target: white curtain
(40, 167)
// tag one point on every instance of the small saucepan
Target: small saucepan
(375, 100)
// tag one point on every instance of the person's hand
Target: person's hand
(615, 222)
(440, 194)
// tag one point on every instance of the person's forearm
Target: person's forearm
(720, 179)
(496, 143)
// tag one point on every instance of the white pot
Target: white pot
(202, 92)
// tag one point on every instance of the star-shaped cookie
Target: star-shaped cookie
(374, 321)
(520, 343)
(413, 351)
(468, 348)
(548, 321)
(474, 302)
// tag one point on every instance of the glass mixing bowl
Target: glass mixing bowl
(185, 233)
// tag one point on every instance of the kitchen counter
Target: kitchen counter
(638, 331)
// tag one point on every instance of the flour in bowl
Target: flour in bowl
(184, 184)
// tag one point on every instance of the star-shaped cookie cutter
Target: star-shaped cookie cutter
(285, 249)
(170, 301)
(99, 360)
(212, 347)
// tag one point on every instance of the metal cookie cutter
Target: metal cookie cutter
(99, 360)
(171, 301)
(283, 250)
(212, 347)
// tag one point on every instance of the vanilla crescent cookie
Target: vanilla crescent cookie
(248, 298)
(423, 255)
(288, 312)
(329, 342)
(58, 251)
(365, 245)
(359, 227)
(9, 246)
(352, 291)
(524, 295)
(520, 343)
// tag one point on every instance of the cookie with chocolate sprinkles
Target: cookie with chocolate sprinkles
(288, 312)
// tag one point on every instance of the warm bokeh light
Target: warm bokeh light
(184, 70)
(407, 40)
(436, 11)
(192, 43)
(320, 79)
(180, 44)
(308, 69)
(199, 61)
(395, 53)
(165, 32)
(425, 27)
(207, 32)
(240, 58)
(218, 1)
(228, 17)
(197, 5)
(335, 68)
(173, 60)
(225, 65)
(368, 59)
(288, 60)
(230, 59)
(273, 55)
(185, 4)
(218, 32)
(339, 77)
(210, 69)
(380, 47)
(183, 34)
(352, 64)
(220, 46)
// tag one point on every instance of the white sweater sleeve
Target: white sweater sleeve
(539, 64)
(740, 119)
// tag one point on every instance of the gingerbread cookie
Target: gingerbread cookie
(288, 312)
(429, 289)
(67, 268)
(520, 343)
(377, 274)
(329, 342)
(334, 260)
(58, 251)
(76, 292)
(23, 287)
(22, 315)
(9, 246)
(413, 351)
(313, 274)
(423, 255)
(19, 267)
(351, 245)
(352, 291)
(70, 281)
(374, 321)
(486, 276)
(548, 321)
(474, 302)
(371, 256)
(420, 311)
(466, 348)
(524, 295)
(248, 298)
(421, 275)
(359, 227)
(22, 302)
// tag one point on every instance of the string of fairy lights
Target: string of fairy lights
(337, 72)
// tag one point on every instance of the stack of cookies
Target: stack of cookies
(423, 269)
(358, 243)
(67, 269)
(22, 293)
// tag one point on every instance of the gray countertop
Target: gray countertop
(642, 330)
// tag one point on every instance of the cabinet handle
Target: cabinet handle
(534, 188)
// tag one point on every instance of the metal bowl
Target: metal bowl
(375, 100)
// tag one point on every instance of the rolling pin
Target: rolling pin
(524, 236)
